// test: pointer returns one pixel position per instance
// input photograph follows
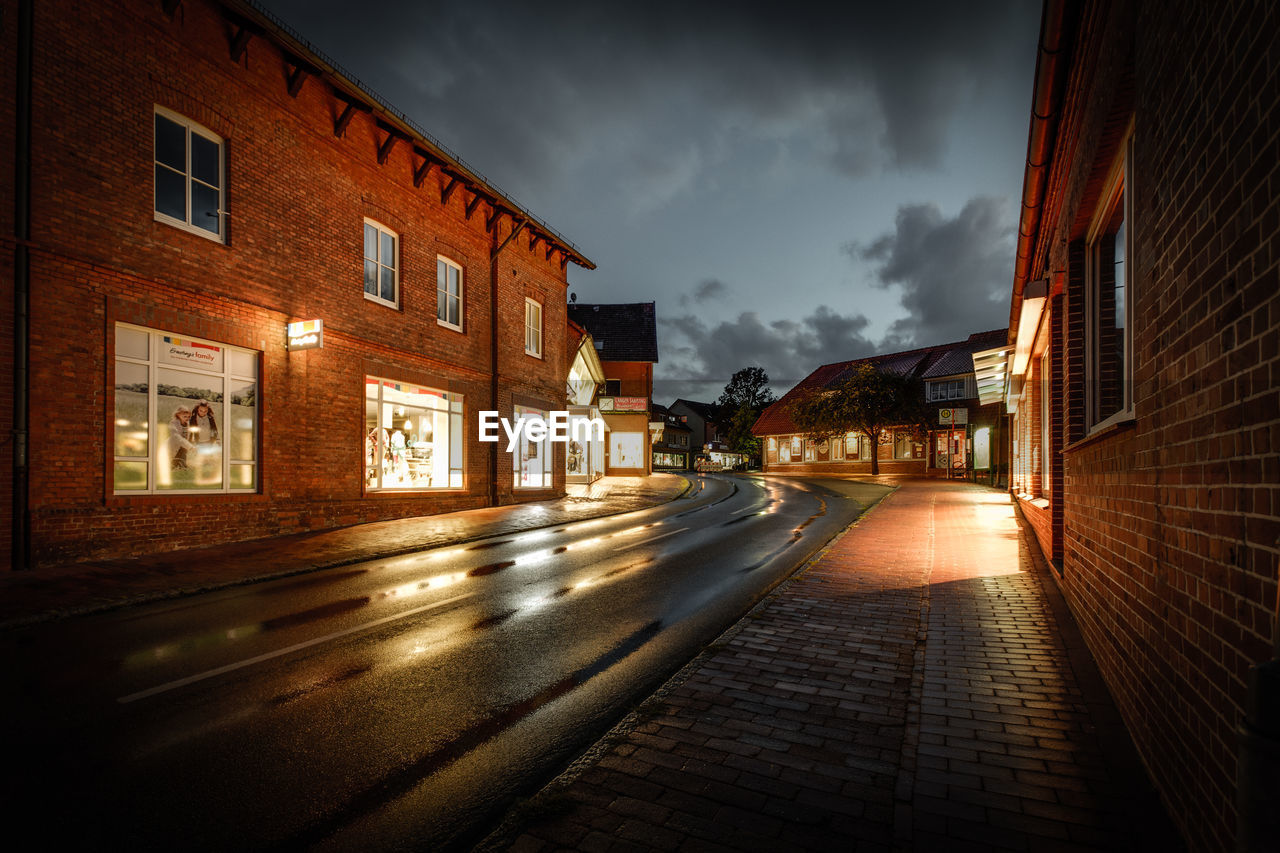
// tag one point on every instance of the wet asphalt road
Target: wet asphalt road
(394, 704)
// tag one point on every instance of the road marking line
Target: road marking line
(651, 539)
(231, 667)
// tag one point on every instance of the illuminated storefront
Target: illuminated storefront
(584, 457)
(531, 465)
(186, 414)
(413, 437)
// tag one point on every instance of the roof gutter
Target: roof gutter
(344, 84)
(1050, 77)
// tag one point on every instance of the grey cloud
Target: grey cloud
(707, 290)
(646, 99)
(696, 354)
(953, 273)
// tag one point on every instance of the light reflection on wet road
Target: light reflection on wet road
(400, 700)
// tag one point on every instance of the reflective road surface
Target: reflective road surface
(397, 703)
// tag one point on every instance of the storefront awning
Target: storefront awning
(989, 369)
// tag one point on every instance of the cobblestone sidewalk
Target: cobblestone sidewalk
(920, 686)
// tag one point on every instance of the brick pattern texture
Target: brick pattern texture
(297, 196)
(912, 689)
(1168, 525)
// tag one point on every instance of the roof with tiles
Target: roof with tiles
(922, 362)
(622, 332)
(706, 411)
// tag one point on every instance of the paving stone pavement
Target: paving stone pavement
(921, 685)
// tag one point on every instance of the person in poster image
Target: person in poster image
(203, 428)
(179, 441)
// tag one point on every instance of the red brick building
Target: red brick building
(966, 440)
(1145, 336)
(626, 338)
(194, 177)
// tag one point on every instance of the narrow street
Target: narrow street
(411, 698)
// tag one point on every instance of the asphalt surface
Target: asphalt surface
(399, 702)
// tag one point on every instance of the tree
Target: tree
(744, 397)
(865, 401)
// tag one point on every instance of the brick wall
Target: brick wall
(297, 195)
(1169, 526)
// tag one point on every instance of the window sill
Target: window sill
(378, 300)
(448, 326)
(164, 219)
(536, 355)
(1101, 434)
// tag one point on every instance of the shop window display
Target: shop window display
(186, 414)
(532, 462)
(413, 437)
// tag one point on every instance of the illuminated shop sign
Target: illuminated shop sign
(305, 334)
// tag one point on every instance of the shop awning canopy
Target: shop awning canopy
(989, 369)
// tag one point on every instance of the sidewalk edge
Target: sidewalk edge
(106, 606)
(520, 814)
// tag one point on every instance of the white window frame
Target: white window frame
(377, 260)
(200, 130)
(532, 327)
(1118, 191)
(155, 445)
(947, 389)
(454, 444)
(442, 292)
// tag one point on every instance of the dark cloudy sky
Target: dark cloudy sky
(792, 183)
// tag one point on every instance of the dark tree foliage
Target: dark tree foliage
(866, 401)
(744, 397)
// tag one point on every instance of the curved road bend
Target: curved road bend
(403, 701)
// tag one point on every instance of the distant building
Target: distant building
(1144, 380)
(194, 179)
(965, 440)
(671, 442)
(625, 337)
(710, 450)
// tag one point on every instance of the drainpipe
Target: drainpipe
(21, 550)
(517, 227)
(1258, 770)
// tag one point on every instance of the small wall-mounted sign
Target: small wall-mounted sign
(624, 404)
(305, 334)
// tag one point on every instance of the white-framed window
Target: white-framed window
(1045, 432)
(448, 293)
(413, 437)
(186, 415)
(381, 264)
(948, 389)
(532, 328)
(1109, 298)
(189, 175)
